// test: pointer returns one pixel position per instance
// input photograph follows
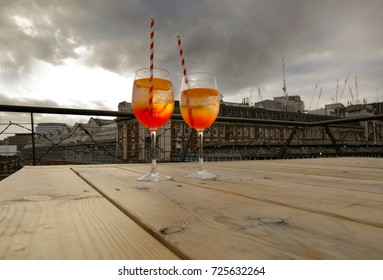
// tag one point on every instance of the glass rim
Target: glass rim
(200, 77)
(199, 73)
(154, 69)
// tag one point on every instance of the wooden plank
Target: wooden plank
(50, 213)
(354, 168)
(205, 222)
(359, 200)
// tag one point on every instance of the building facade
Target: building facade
(373, 128)
(84, 143)
(47, 127)
(293, 101)
(233, 140)
(125, 140)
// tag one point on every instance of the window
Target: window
(214, 130)
(239, 130)
(178, 128)
(232, 131)
(246, 131)
(222, 130)
(267, 132)
(277, 136)
(252, 132)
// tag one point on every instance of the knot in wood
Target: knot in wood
(171, 230)
(270, 220)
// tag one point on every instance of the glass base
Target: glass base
(154, 177)
(202, 174)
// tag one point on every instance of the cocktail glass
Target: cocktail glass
(153, 110)
(199, 108)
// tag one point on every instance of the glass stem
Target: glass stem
(153, 135)
(200, 137)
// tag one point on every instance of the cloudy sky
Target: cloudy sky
(83, 53)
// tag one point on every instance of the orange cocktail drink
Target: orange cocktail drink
(199, 107)
(156, 114)
(153, 104)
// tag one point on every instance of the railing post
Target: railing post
(33, 141)
(287, 143)
(186, 147)
(333, 140)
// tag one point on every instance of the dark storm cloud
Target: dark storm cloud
(242, 41)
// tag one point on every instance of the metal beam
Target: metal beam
(333, 140)
(64, 111)
(88, 112)
(287, 143)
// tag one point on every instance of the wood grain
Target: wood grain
(50, 213)
(330, 208)
(296, 184)
(240, 216)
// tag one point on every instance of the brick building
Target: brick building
(227, 140)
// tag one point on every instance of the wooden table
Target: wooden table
(329, 208)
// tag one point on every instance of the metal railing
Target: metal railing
(274, 146)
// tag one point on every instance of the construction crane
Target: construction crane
(285, 96)
(313, 96)
(352, 96)
(343, 89)
(337, 90)
(356, 90)
(319, 96)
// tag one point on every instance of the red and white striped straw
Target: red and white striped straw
(182, 58)
(186, 78)
(151, 62)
